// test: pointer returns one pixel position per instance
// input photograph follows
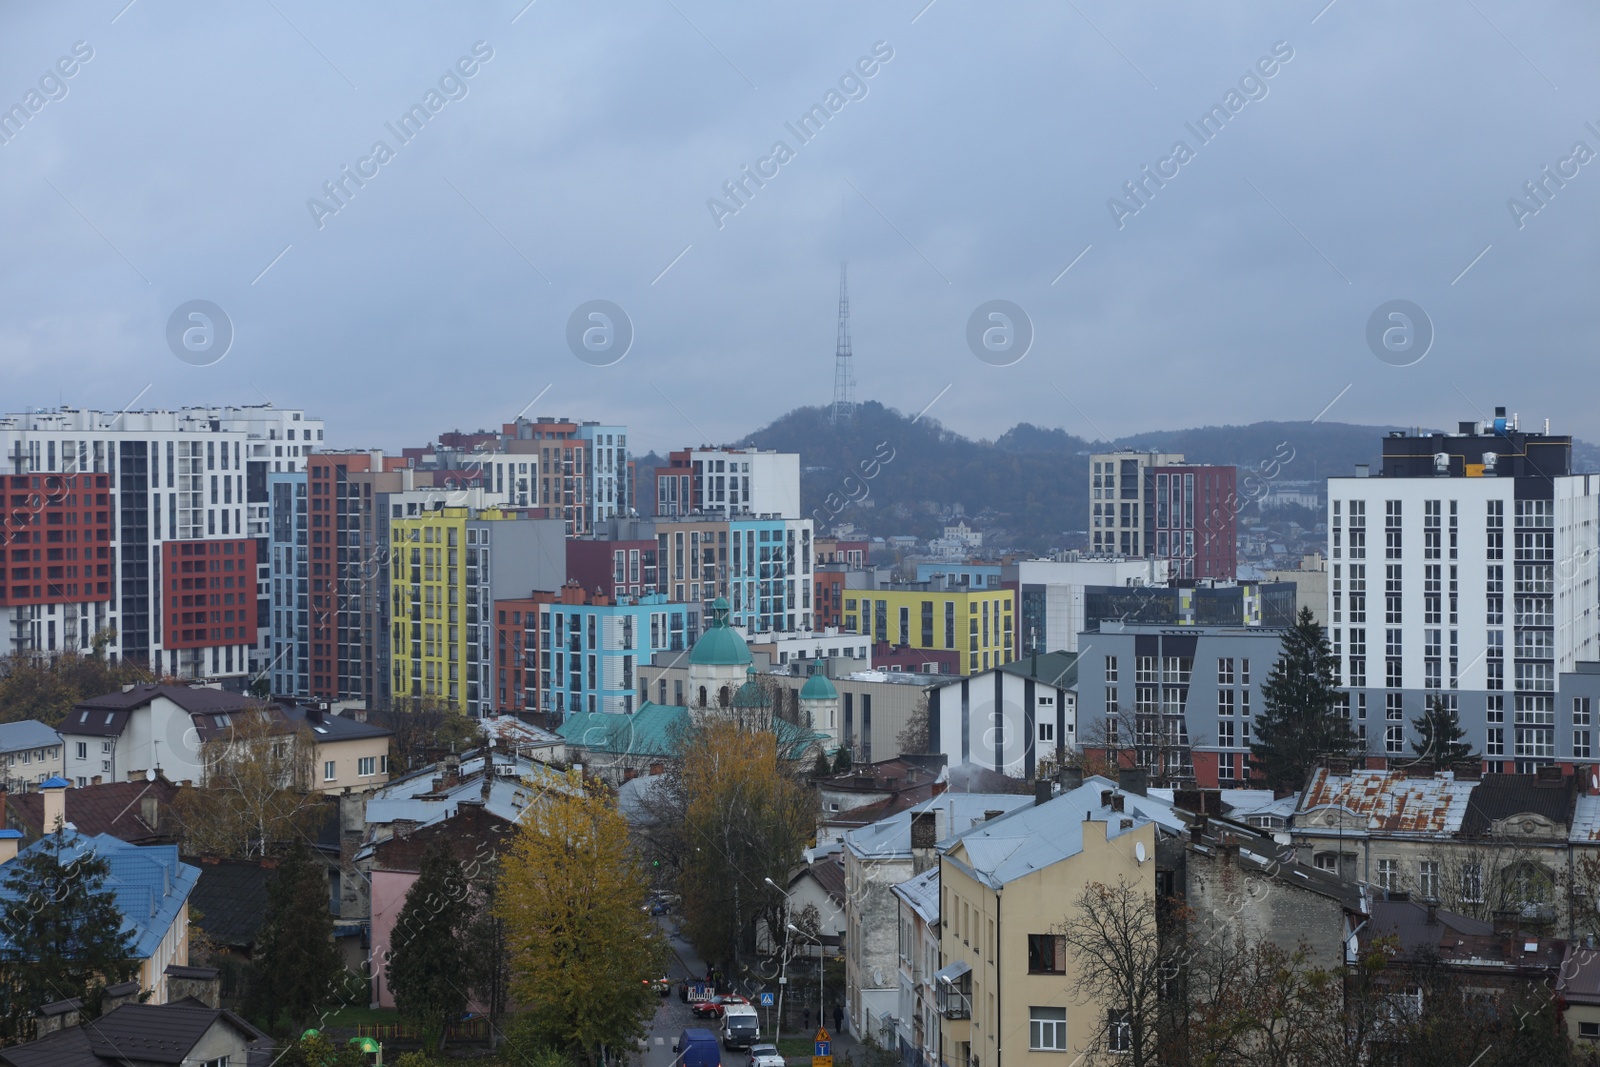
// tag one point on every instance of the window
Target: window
(1111, 668)
(1047, 954)
(1472, 883)
(367, 766)
(1428, 879)
(1589, 1031)
(1225, 670)
(1119, 1031)
(1047, 1029)
(330, 771)
(1047, 733)
(83, 750)
(1389, 875)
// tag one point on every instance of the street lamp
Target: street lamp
(822, 971)
(783, 969)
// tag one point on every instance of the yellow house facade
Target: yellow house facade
(1005, 990)
(978, 623)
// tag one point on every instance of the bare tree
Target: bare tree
(1122, 964)
(1160, 743)
(256, 793)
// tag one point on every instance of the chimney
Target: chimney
(924, 835)
(1135, 780)
(115, 996)
(488, 769)
(96, 780)
(58, 1015)
(150, 812)
(1071, 778)
(55, 804)
(1105, 798)
(1117, 800)
(9, 839)
(1363, 470)
(1041, 790)
(1433, 913)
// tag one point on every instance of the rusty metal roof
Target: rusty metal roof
(1390, 801)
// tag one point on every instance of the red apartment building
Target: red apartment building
(516, 653)
(620, 568)
(1195, 511)
(208, 592)
(55, 545)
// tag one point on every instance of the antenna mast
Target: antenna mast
(844, 377)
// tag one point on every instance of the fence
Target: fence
(466, 1030)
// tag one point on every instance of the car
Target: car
(662, 985)
(765, 1056)
(713, 1008)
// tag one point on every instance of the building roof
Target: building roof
(328, 726)
(229, 901)
(818, 687)
(415, 797)
(26, 733)
(1031, 838)
(655, 732)
(955, 813)
(1501, 796)
(1059, 669)
(509, 732)
(149, 882)
(115, 808)
(828, 873)
(720, 645)
(922, 894)
(1390, 801)
(1457, 939)
(210, 710)
(130, 1033)
(1585, 820)
(1579, 980)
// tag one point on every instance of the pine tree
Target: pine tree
(841, 760)
(297, 963)
(1439, 736)
(61, 931)
(1300, 721)
(428, 967)
(820, 769)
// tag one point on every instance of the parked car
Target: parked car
(662, 985)
(714, 1008)
(765, 1056)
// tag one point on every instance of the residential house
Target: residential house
(139, 813)
(184, 1033)
(1019, 718)
(817, 889)
(30, 752)
(1578, 984)
(1475, 845)
(150, 884)
(229, 905)
(1007, 888)
(917, 1017)
(876, 859)
(145, 728)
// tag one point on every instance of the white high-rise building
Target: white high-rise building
(1466, 570)
(177, 503)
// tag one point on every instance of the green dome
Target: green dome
(750, 694)
(720, 645)
(818, 687)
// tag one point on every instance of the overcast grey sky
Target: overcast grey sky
(1376, 162)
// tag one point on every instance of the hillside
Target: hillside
(1032, 481)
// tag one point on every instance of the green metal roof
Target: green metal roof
(818, 687)
(720, 645)
(1058, 669)
(750, 694)
(655, 729)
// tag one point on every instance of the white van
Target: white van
(741, 1026)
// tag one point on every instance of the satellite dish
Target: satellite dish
(1138, 851)
(150, 776)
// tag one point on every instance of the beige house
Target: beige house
(30, 752)
(1476, 845)
(1006, 987)
(350, 755)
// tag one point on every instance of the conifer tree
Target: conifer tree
(1300, 720)
(428, 968)
(61, 931)
(297, 964)
(1439, 736)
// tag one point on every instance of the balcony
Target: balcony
(953, 991)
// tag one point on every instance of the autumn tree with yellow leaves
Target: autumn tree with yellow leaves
(582, 945)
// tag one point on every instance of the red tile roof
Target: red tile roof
(115, 808)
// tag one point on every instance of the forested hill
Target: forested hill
(1035, 479)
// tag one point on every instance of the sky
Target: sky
(969, 153)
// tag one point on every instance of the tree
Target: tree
(426, 729)
(1300, 721)
(746, 818)
(841, 760)
(1122, 960)
(913, 739)
(61, 931)
(256, 794)
(47, 688)
(315, 1050)
(572, 899)
(428, 962)
(821, 769)
(297, 963)
(1439, 736)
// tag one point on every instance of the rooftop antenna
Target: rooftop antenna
(844, 377)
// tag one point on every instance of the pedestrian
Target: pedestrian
(808, 1020)
(838, 1018)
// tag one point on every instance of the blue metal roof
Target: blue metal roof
(150, 884)
(28, 733)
